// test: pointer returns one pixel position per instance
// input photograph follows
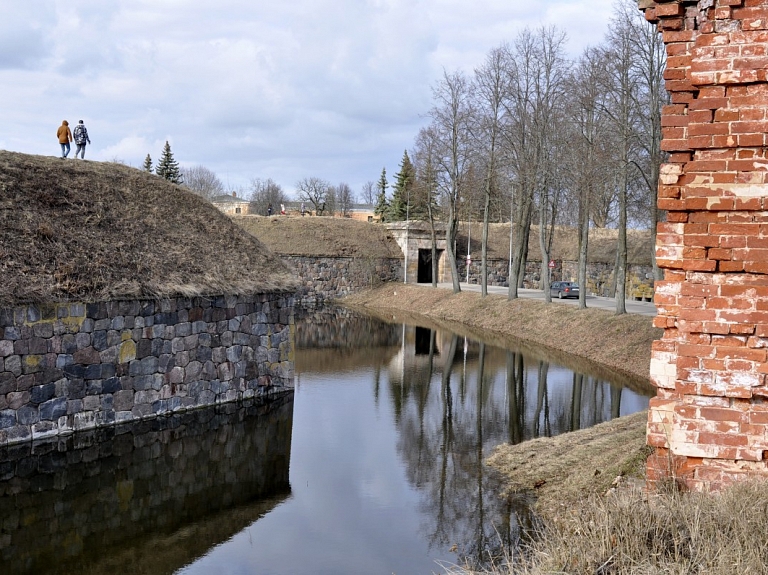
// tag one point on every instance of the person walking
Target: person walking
(64, 134)
(81, 138)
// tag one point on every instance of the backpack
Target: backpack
(79, 134)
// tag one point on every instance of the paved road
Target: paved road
(609, 303)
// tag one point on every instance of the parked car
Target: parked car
(564, 289)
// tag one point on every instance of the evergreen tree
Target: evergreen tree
(148, 164)
(167, 167)
(401, 206)
(382, 206)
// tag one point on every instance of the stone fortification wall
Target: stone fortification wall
(324, 278)
(709, 421)
(73, 366)
(92, 500)
(599, 275)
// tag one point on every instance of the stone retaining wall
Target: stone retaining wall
(92, 500)
(327, 278)
(324, 278)
(599, 275)
(73, 366)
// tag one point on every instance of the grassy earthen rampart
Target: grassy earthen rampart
(88, 231)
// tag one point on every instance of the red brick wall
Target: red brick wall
(709, 420)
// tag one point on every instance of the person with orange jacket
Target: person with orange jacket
(64, 134)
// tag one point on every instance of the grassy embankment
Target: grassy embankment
(598, 519)
(96, 231)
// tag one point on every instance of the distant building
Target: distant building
(360, 212)
(363, 212)
(231, 204)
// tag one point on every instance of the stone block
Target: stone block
(104, 418)
(86, 356)
(143, 348)
(193, 371)
(234, 353)
(17, 398)
(91, 403)
(74, 406)
(111, 385)
(7, 382)
(123, 401)
(50, 375)
(27, 415)
(84, 420)
(123, 416)
(183, 329)
(7, 418)
(42, 393)
(53, 409)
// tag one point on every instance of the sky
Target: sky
(280, 89)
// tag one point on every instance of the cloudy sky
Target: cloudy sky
(281, 89)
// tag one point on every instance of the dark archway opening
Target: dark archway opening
(425, 265)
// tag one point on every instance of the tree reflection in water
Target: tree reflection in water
(451, 400)
(487, 396)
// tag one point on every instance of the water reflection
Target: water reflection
(452, 400)
(386, 435)
(149, 497)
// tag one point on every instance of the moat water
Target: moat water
(374, 466)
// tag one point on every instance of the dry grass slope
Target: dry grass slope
(89, 231)
(321, 237)
(332, 237)
(620, 343)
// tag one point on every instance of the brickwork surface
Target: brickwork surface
(709, 421)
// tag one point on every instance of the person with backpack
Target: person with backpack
(81, 138)
(64, 134)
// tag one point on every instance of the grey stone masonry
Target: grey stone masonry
(324, 278)
(599, 275)
(72, 366)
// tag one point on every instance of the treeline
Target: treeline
(532, 137)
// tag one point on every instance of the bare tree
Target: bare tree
(330, 202)
(649, 64)
(315, 191)
(551, 92)
(369, 192)
(535, 78)
(202, 181)
(265, 193)
(344, 199)
(451, 115)
(590, 129)
(425, 188)
(491, 88)
(621, 83)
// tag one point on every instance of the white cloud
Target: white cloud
(252, 88)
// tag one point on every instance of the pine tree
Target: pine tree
(148, 164)
(401, 206)
(382, 206)
(167, 167)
